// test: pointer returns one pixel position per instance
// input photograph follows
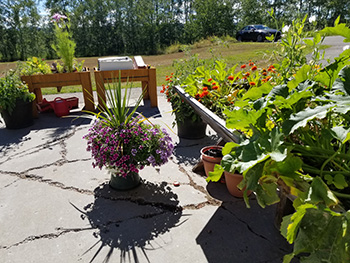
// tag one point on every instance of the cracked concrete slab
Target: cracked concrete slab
(54, 207)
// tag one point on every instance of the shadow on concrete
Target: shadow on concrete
(56, 128)
(188, 151)
(239, 234)
(129, 220)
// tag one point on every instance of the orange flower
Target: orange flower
(254, 68)
(213, 84)
(264, 73)
(205, 88)
(230, 78)
(268, 77)
(172, 73)
(251, 64)
(162, 91)
(264, 80)
(215, 87)
(237, 78)
(210, 80)
(243, 66)
(269, 69)
(252, 83)
(247, 74)
(167, 79)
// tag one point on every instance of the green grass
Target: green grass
(229, 50)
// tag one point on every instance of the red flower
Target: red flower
(243, 66)
(270, 69)
(162, 91)
(247, 74)
(213, 83)
(167, 79)
(251, 64)
(230, 78)
(254, 68)
(210, 80)
(264, 73)
(203, 94)
(252, 83)
(205, 88)
(215, 87)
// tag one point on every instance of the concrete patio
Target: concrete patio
(54, 207)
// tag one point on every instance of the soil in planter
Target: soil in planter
(216, 153)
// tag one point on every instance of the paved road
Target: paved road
(336, 48)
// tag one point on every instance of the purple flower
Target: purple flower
(57, 17)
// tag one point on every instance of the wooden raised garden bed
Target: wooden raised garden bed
(37, 82)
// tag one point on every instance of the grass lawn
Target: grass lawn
(233, 53)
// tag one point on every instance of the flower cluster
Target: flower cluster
(129, 147)
(219, 88)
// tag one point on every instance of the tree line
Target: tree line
(126, 27)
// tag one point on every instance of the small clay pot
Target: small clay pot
(232, 181)
(210, 157)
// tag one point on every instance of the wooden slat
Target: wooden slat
(209, 117)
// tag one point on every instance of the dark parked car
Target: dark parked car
(257, 33)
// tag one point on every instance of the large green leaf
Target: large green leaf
(342, 83)
(301, 75)
(320, 193)
(340, 30)
(303, 117)
(257, 92)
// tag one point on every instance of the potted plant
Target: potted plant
(125, 144)
(15, 102)
(189, 124)
(36, 74)
(211, 155)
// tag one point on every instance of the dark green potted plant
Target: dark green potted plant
(189, 124)
(15, 102)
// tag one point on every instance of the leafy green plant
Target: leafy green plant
(300, 145)
(290, 54)
(33, 66)
(218, 87)
(12, 89)
(65, 46)
(183, 68)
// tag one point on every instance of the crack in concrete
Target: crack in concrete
(211, 201)
(46, 236)
(63, 231)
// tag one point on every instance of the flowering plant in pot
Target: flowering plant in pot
(15, 101)
(125, 144)
(190, 125)
(219, 87)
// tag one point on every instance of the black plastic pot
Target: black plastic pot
(191, 130)
(20, 117)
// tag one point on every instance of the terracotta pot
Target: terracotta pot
(232, 180)
(209, 161)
